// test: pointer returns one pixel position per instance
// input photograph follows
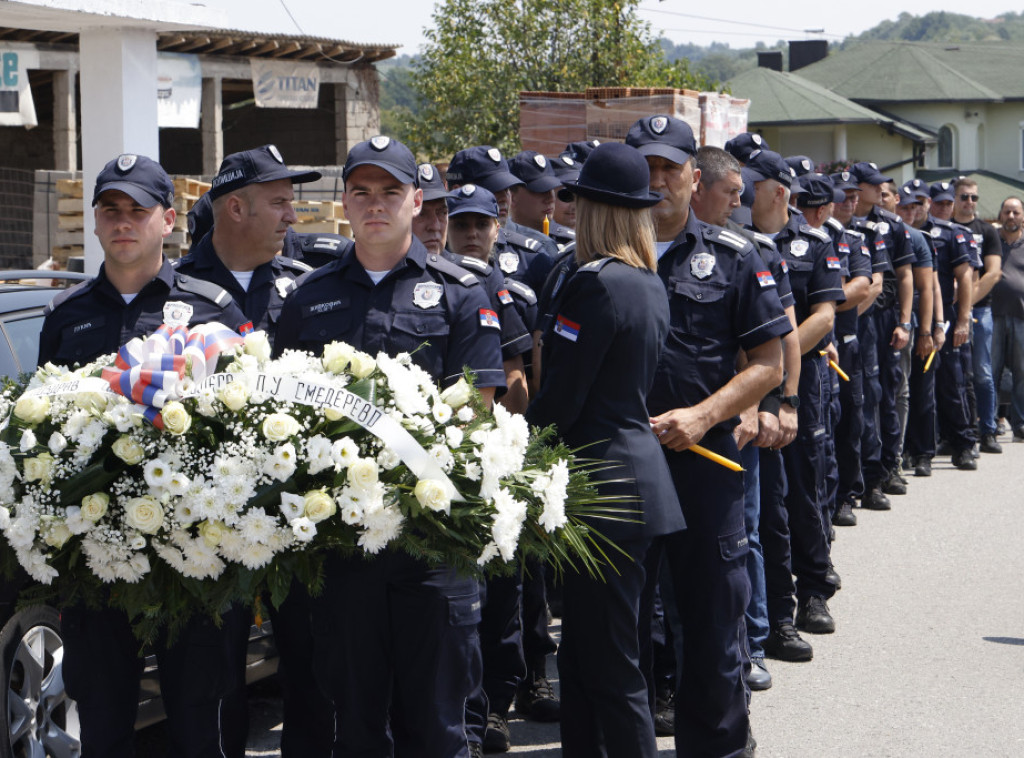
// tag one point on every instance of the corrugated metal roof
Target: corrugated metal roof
(922, 72)
(778, 98)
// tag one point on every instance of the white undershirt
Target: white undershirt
(376, 276)
(663, 247)
(244, 278)
(128, 298)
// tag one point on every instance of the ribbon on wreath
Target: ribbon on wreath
(153, 371)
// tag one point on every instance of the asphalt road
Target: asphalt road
(928, 656)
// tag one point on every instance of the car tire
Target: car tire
(36, 715)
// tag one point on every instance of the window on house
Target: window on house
(945, 147)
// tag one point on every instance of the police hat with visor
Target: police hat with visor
(616, 174)
(742, 145)
(535, 171)
(868, 173)
(845, 181)
(913, 191)
(581, 149)
(469, 198)
(941, 192)
(141, 178)
(481, 165)
(430, 182)
(818, 190)
(384, 153)
(801, 165)
(256, 166)
(767, 164)
(663, 136)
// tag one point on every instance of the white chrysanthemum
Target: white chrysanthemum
(231, 545)
(381, 528)
(256, 556)
(92, 435)
(21, 532)
(454, 436)
(405, 386)
(28, 441)
(5, 517)
(171, 556)
(120, 417)
(318, 454)
(443, 456)
(472, 471)
(465, 414)
(388, 459)
(75, 521)
(490, 552)
(508, 523)
(75, 424)
(554, 494)
(303, 529)
(36, 566)
(256, 526)
(157, 473)
(133, 569)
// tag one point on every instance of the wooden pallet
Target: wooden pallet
(330, 226)
(69, 188)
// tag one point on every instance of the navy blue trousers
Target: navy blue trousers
(850, 429)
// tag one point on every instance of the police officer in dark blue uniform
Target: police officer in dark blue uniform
(718, 305)
(580, 149)
(251, 199)
(742, 145)
(525, 258)
(394, 636)
(889, 330)
(815, 276)
(600, 359)
(134, 293)
(533, 202)
(563, 223)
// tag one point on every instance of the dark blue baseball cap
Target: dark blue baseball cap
(469, 198)
(941, 192)
(742, 145)
(818, 191)
(581, 149)
(801, 164)
(256, 166)
(430, 182)
(913, 191)
(845, 181)
(141, 178)
(616, 174)
(664, 136)
(482, 165)
(535, 171)
(386, 153)
(868, 173)
(767, 164)
(566, 167)
(200, 218)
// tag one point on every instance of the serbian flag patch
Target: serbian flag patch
(832, 262)
(245, 328)
(489, 318)
(765, 279)
(566, 328)
(504, 297)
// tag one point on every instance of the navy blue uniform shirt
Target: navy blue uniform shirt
(772, 260)
(952, 245)
(718, 305)
(524, 258)
(425, 298)
(271, 282)
(855, 261)
(600, 357)
(91, 318)
(313, 248)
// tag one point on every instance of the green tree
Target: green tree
(481, 53)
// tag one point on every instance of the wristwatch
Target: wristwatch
(907, 326)
(793, 401)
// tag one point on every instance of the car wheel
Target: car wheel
(36, 714)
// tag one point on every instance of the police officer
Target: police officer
(718, 306)
(136, 291)
(742, 145)
(815, 276)
(882, 337)
(533, 202)
(563, 224)
(520, 256)
(394, 635)
(580, 149)
(600, 359)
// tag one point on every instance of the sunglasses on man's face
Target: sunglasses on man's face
(965, 197)
(565, 195)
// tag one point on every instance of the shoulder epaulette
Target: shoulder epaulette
(764, 239)
(294, 265)
(69, 294)
(521, 240)
(456, 272)
(473, 264)
(808, 229)
(595, 265)
(889, 216)
(726, 237)
(524, 291)
(854, 233)
(331, 243)
(182, 261)
(941, 222)
(212, 292)
(834, 223)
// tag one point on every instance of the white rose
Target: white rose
(319, 506)
(128, 450)
(333, 414)
(233, 395)
(39, 469)
(32, 410)
(337, 356)
(212, 532)
(465, 414)
(362, 365)
(362, 473)
(93, 402)
(433, 495)
(94, 506)
(458, 394)
(57, 443)
(57, 534)
(258, 345)
(145, 514)
(176, 419)
(277, 427)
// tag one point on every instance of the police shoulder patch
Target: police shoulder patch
(452, 270)
(816, 233)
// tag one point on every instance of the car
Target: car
(36, 715)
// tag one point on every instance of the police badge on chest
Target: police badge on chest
(702, 264)
(427, 294)
(177, 313)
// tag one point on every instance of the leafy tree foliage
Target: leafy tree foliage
(481, 53)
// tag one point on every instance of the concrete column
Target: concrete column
(118, 83)
(65, 117)
(211, 124)
(839, 142)
(356, 110)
